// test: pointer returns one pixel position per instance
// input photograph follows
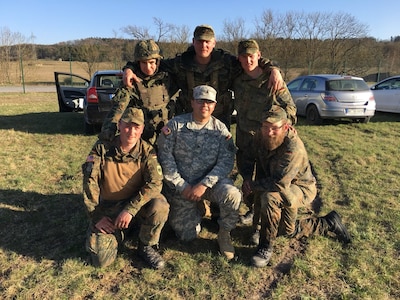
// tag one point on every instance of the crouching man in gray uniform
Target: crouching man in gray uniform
(196, 152)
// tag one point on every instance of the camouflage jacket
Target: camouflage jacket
(252, 98)
(111, 176)
(153, 95)
(189, 155)
(277, 170)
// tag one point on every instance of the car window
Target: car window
(309, 84)
(108, 81)
(346, 85)
(295, 84)
(71, 80)
(389, 84)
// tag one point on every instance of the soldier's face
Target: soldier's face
(202, 109)
(148, 67)
(203, 48)
(249, 61)
(274, 134)
(130, 133)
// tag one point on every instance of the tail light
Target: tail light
(91, 95)
(330, 98)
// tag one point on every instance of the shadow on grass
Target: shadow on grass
(45, 123)
(42, 226)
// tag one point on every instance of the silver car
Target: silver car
(387, 94)
(328, 96)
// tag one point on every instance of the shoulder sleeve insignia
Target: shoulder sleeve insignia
(166, 130)
(90, 158)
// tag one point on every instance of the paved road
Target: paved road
(30, 88)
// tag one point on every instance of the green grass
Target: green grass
(42, 221)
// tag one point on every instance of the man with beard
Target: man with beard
(284, 183)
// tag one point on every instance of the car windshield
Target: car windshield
(346, 85)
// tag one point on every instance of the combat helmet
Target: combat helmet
(147, 49)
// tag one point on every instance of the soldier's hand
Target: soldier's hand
(105, 225)
(275, 81)
(129, 77)
(198, 191)
(123, 220)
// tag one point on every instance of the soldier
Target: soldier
(202, 64)
(152, 94)
(252, 98)
(284, 183)
(196, 152)
(122, 181)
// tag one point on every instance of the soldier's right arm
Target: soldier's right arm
(92, 174)
(120, 103)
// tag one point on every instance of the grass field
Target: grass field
(42, 221)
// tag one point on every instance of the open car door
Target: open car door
(71, 90)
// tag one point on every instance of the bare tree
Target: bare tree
(342, 29)
(137, 32)
(267, 26)
(163, 29)
(90, 53)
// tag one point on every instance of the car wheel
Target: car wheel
(312, 115)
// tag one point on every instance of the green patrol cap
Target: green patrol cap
(204, 32)
(133, 115)
(248, 47)
(274, 115)
(205, 92)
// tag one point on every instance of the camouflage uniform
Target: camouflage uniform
(152, 95)
(285, 182)
(219, 73)
(114, 181)
(190, 155)
(252, 98)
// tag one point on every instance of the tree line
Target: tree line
(309, 43)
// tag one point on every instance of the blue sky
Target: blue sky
(51, 22)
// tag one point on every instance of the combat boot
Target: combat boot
(336, 226)
(151, 256)
(262, 256)
(225, 244)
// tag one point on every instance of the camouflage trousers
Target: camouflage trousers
(185, 216)
(278, 219)
(103, 248)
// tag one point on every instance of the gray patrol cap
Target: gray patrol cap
(205, 92)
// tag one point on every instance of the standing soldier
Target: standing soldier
(253, 97)
(152, 94)
(196, 152)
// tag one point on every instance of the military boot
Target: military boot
(336, 226)
(262, 256)
(225, 244)
(151, 256)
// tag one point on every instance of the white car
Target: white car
(387, 94)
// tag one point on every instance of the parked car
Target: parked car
(387, 94)
(93, 97)
(329, 96)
